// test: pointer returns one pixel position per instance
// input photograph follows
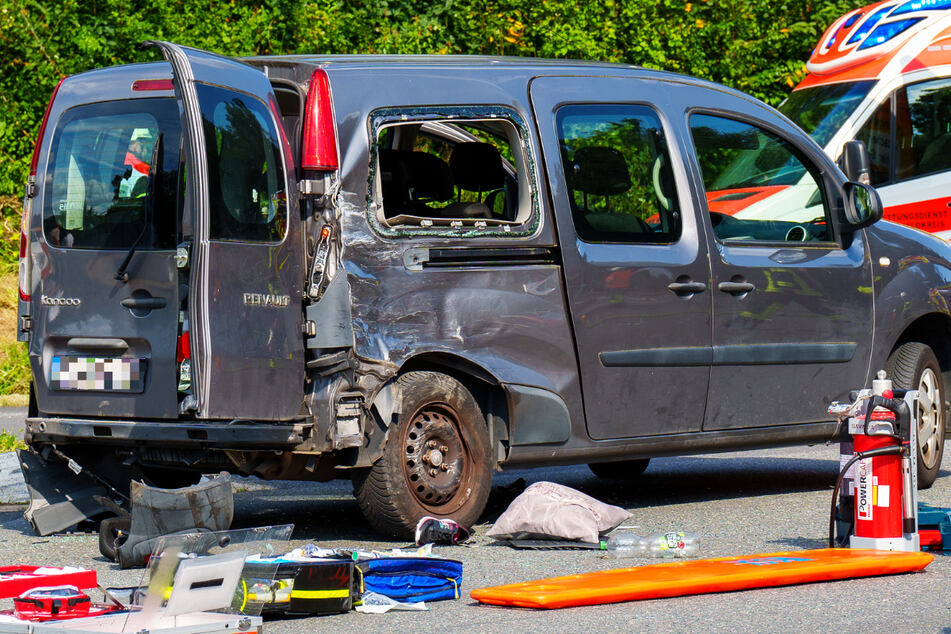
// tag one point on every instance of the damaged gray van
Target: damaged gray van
(413, 271)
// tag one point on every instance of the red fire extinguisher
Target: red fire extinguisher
(882, 478)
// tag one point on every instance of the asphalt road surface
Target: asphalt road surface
(12, 420)
(741, 504)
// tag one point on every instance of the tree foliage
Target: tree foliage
(754, 45)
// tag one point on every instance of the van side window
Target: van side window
(618, 173)
(459, 173)
(245, 167)
(113, 175)
(923, 129)
(758, 187)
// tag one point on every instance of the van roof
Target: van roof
(304, 64)
(428, 61)
(300, 67)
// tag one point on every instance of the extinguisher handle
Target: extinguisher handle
(898, 407)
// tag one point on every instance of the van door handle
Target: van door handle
(93, 343)
(736, 288)
(686, 288)
(147, 303)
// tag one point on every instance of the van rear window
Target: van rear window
(246, 184)
(113, 175)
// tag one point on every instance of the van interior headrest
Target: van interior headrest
(599, 170)
(477, 167)
(412, 176)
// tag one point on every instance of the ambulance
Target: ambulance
(881, 74)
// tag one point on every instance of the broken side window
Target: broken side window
(451, 172)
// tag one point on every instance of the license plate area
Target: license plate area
(97, 374)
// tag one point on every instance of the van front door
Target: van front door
(243, 229)
(636, 270)
(792, 302)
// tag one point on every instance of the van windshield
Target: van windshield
(821, 110)
(108, 173)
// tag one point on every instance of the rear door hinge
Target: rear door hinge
(181, 256)
(312, 187)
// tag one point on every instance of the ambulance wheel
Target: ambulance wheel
(436, 460)
(913, 366)
(622, 470)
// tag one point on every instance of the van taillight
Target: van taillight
(24, 264)
(39, 137)
(184, 351)
(183, 354)
(24, 280)
(320, 138)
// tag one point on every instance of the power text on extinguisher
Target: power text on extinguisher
(864, 489)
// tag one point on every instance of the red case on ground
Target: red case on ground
(47, 604)
(15, 580)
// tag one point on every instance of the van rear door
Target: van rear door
(243, 228)
(107, 186)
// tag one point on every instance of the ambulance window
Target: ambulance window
(923, 134)
(113, 175)
(247, 199)
(876, 134)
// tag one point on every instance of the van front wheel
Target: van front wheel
(436, 460)
(913, 366)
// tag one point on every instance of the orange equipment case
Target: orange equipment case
(701, 576)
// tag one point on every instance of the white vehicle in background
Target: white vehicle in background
(882, 75)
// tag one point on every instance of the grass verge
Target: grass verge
(9, 442)
(14, 363)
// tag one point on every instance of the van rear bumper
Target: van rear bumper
(250, 436)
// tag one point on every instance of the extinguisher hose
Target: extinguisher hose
(881, 451)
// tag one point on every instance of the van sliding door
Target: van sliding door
(243, 224)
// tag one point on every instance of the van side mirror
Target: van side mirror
(855, 163)
(863, 206)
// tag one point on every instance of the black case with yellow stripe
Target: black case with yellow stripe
(320, 586)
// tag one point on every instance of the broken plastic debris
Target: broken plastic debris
(375, 603)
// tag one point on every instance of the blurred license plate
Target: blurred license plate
(97, 374)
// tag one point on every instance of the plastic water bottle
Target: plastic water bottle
(673, 544)
(624, 544)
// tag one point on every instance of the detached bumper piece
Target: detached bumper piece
(59, 497)
(206, 507)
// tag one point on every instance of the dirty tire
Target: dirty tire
(112, 533)
(913, 366)
(623, 470)
(436, 461)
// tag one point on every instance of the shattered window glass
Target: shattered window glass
(451, 172)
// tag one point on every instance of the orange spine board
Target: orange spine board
(701, 576)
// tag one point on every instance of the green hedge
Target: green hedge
(757, 46)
